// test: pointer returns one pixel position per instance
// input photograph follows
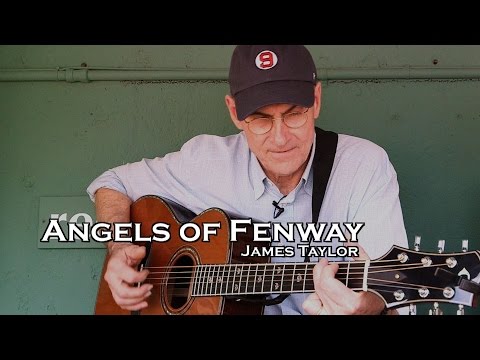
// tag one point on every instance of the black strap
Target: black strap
(325, 149)
(322, 168)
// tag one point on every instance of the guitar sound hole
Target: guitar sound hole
(179, 282)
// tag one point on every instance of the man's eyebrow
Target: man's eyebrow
(268, 115)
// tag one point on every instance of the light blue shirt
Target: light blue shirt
(212, 171)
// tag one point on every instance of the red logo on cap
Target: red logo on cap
(266, 60)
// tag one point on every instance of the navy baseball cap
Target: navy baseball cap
(262, 75)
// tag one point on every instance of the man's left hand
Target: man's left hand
(331, 297)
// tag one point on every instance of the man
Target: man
(274, 101)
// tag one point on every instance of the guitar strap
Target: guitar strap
(325, 149)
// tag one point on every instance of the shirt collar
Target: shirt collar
(257, 175)
(307, 176)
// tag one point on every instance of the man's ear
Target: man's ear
(317, 103)
(230, 102)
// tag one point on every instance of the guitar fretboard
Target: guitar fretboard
(269, 278)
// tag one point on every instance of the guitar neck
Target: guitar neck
(270, 278)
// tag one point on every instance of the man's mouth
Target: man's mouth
(280, 152)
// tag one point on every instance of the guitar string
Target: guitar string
(386, 283)
(406, 285)
(226, 268)
(361, 263)
(295, 273)
(287, 278)
(299, 267)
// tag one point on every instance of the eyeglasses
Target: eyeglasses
(262, 125)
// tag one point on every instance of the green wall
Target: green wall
(57, 136)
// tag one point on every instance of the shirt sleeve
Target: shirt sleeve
(162, 176)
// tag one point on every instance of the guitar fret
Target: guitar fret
(216, 279)
(232, 267)
(199, 280)
(305, 276)
(207, 280)
(298, 278)
(283, 275)
(263, 277)
(241, 278)
(218, 287)
(221, 269)
(214, 282)
(228, 269)
(201, 277)
(224, 280)
(276, 278)
(210, 278)
(251, 279)
(266, 278)
(247, 280)
(218, 282)
(272, 276)
(271, 281)
(293, 276)
(195, 281)
(232, 284)
(255, 279)
(348, 272)
(202, 280)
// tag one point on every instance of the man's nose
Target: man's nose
(279, 131)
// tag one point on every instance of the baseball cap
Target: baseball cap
(262, 75)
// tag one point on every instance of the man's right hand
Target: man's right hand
(122, 276)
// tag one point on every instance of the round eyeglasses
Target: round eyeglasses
(262, 125)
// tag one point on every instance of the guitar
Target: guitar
(195, 278)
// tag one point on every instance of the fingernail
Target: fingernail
(148, 294)
(150, 287)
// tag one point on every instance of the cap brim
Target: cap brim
(276, 92)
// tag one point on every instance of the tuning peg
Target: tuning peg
(461, 309)
(436, 307)
(441, 246)
(412, 309)
(436, 310)
(418, 238)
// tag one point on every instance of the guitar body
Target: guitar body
(171, 294)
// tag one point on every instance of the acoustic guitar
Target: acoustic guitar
(195, 278)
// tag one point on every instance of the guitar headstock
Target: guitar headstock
(405, 276)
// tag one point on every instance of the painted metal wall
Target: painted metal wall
(57, 136)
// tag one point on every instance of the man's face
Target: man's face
(282, 151)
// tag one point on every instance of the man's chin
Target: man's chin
(284, 169)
